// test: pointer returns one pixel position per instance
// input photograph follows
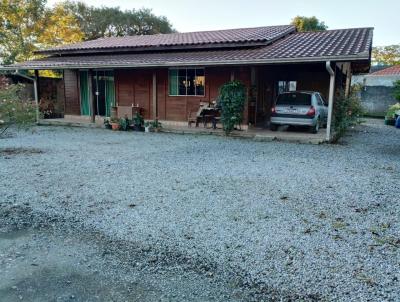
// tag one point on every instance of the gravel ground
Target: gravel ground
(280, 220)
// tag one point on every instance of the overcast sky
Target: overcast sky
(186, 15)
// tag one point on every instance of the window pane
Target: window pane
(292, 85)
(173, 82)
(182, 81)
(295, 98)
(200, 81)
(286, 86)
(191, 74)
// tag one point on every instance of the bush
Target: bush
(390, 114)
(232, 98)
(124, 124)
(347, 112)
(396, 90)
(14, 111)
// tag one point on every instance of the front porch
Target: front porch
(255, 133)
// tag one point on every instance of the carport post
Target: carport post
(330, 100)
(36, 92)
(154, 93)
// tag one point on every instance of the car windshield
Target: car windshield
(294, 98)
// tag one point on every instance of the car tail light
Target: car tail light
(311, 111)
(273, 110)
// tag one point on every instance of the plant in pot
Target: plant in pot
(147, 126)
(124, 124)
(156, 125)
(107, 124)
(390, 117)
(138, 122)
(114, 122)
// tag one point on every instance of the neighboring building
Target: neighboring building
(377, 92)
(168, 75)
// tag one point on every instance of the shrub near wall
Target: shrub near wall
(232, 98)
(15, 111)
(347, 111)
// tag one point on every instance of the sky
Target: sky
(192, 15)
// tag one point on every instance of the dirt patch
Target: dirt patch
(20, 151)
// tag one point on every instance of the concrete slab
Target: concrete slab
(258, 134)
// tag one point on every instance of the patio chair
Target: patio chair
(195, 116)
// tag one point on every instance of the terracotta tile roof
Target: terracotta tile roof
(330, 43)
(394, 70)
(241, 35)
(335, 45)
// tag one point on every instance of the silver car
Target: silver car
(299, 108)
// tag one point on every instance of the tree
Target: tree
(386, 55)
(113, 22)
(60, 27)
(27, 25)
(308, 24)
(20, 24)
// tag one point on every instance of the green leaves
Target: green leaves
(14, 111)
(232, 98)
(28, 25)
(396, 90)
(308, 23)
(114, 22)
(347, 111)
(386, 55)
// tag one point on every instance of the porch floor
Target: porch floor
(258, 134)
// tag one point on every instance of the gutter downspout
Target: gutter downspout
(35, 90)
(330, 100)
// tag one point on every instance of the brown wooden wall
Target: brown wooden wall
(135, 87)
(72, 103)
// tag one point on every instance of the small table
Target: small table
(210, 115)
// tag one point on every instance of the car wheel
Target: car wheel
(273, 127)
(315, 129)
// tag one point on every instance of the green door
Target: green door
(84, 92)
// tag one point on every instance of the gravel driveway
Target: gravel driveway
(282, 220)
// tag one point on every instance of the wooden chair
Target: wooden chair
(195, 116)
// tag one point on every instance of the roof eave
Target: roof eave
(359, 57)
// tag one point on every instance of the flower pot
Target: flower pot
(114, 126)
(138, 128)
(147, 129)
(397, 124)
(390, 122)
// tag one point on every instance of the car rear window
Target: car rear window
(294, 98)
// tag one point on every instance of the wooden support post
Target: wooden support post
(91, 97)
(155, 111)
(254, 91)
(348, 80)
(36, 93)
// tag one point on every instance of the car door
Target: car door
(321, 107)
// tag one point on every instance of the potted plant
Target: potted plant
(147, 127)
(114, 122)
(107, 124)
(390, 117)
(124, 124)
(156, 125)
(138, 122)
